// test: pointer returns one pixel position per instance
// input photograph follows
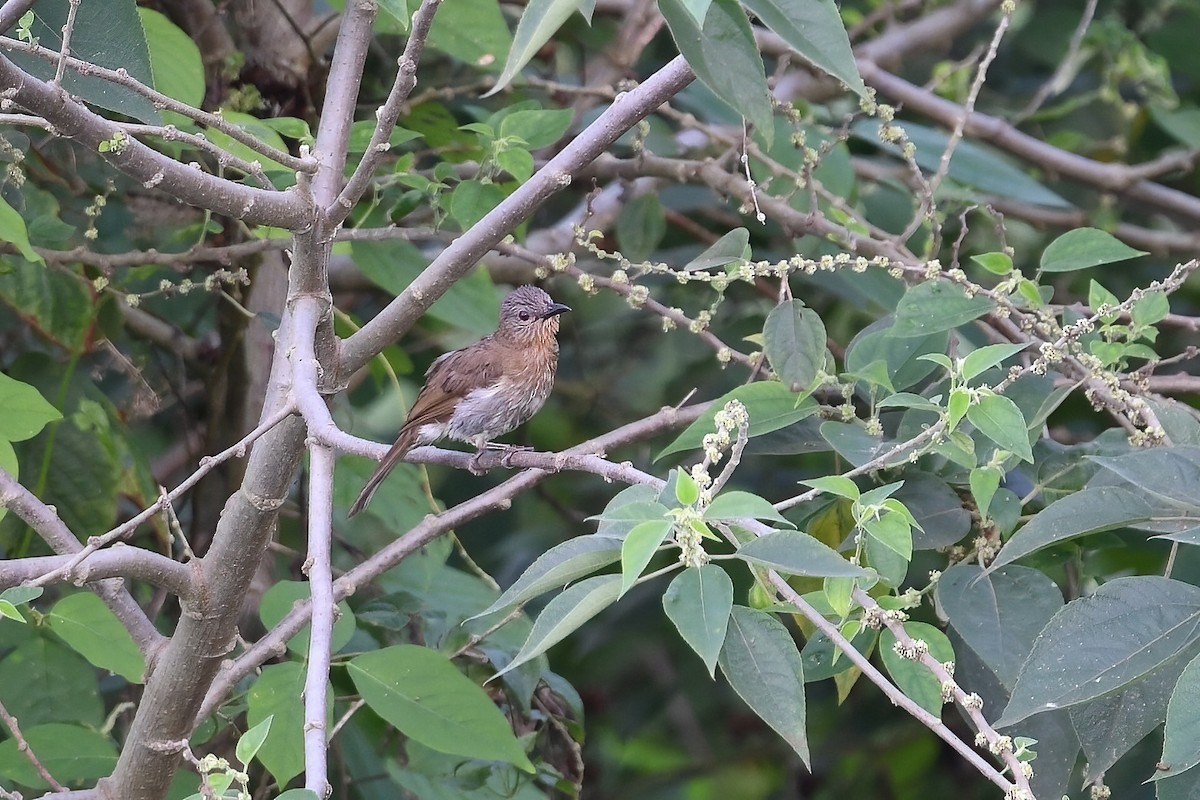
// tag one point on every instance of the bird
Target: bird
(485, 389)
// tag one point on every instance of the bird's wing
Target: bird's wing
(452, 377)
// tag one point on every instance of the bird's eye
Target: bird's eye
(523, 316)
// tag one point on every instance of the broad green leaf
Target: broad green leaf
(998, 614)
(835, 485)
(281, 598)
(472, 31)
(796, 553)
(731, 247)
(92, 630)
(935, 306)
(471, 201)
(698, 9)
(174, 59)
(795, 343)
(108, 34)
(13, 231)
(1151, 308)
(984, 483)
(565, 613)
(540, 20)
(398, 11)
(616, 523)
(1085, 247)
(770, 405)
(26, 412)
(853, 443)
(973, 164)
(70, 753)
(892, 531)
(743, 505)
(43, 681)
(902, 354)
(250, 741)
(537, 128)
(813, 28)
(724, 56)
(425, 697)
(999, 419)
(957, 406)
(558, 566)
(1172, 474)
(277, 694)
(1100, 643)
(1181, 736)
(639, 547)
(995, 263)
(55, 304)
(761, 663)
(979, 361)
(823, 659)
(913, 678)
(687, 492)
(936, 507)
(699, 601)
(641, 227)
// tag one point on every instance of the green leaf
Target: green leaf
(92, 630)
(13, 231)
(731, 247)
(538, 128)
(912, 677)
(770, 405)
(472, 31)
(398, 11)
(1085, 247)
(984, 483)
(956, 407)
(723, 54)
(998, 614)
(70, 753)
(472, 200)
(686, 490)
(641, 227)
(565, 613)
(797, 553)
(616, 523)
(42, 681)
(761, 663)
(55, 304)
(557, 567)
(813, 28)
(174, 59)
(892, 531)
(1172, 474)
(424, 696)
(26, 412)
(979, 361)
(250, 741)
(795, 343)
(639, 547)
(935, 306)
(1100, 643)
(281, 598)
(699, 601)
(999, 419)
(277, 694)
(1181, 736)
(903, 355)
(743, 505)
(540, 20)
(836, 485)
(995, 263)
(1153, 307)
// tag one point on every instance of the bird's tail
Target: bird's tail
(404, 443)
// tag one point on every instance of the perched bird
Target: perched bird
(485, 390)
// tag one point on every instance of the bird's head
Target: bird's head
(529, 315)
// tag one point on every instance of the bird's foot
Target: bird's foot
(507, 451)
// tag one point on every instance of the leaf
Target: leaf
(13, 231)
(699, 602)
(723, 54)
(999, 419)
(174, 59)
(795, 343)
(836, 485)
(1181, 736)
(618, 522)
(998, 614)
(639, 547)
(796, 553)
(813, 28)
(1100, 643)
(70, 753)
(472, 31)
(761, 663)
(43, 681)
(743, 505)
(935, 306)
(1085, 247)
(995, 263)
(280, 599)
(731, 247)
(1172, 474)
(557, 567)
(424, 696)
(277, 694)
(26, 412)
(984, 483)
(979, 361)
(250, 741)
(641, 227)
(55, 304)
(902, 354)
(565, 613)
(537, 128)
(92, 630)
(769, 404)
(540, 20)
(912, 677)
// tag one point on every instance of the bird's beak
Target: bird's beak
(554, 310)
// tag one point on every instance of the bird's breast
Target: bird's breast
(495, 410)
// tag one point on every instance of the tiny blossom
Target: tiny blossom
(1027, 769)
(973, 700)
(724, 356)
(981, 740)
(668, 324)
(134, 300)
(100, 284)
(587, 283)
(620, 277)
(948, 666)
(948, 689)
(874, 427)
(638, 295)
(1002, 744)
(186, 286)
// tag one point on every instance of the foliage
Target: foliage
(880, 348)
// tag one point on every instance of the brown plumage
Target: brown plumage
(485, 390)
